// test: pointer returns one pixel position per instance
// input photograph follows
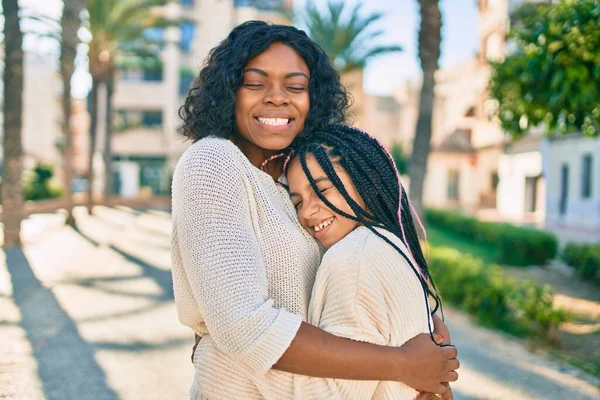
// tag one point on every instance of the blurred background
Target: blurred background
(491, 109)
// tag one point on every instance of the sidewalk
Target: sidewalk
(89, 314)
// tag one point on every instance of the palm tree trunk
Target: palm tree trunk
(12, 189)
(92, 143)
(70, 23)
(108, 177)
(429, 54)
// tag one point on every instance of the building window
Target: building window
(188, 31)
(453, 181)
(186, 79)
(495, 180)
(586, 177)
(266, 5)
(128, 119)
(153, 74)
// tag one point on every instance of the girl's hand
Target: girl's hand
(430, 396)
(441, 329)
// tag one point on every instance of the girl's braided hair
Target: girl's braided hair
(373, 171)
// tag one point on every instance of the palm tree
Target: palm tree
(429, 54)
(70, 24)
(348, 40)
(12, 190)
(116, 27)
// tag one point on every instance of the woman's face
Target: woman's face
(324, 224)
(273, 101)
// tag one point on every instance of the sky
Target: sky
(401, 22)
(385, 73)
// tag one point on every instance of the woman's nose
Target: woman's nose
(277, 96)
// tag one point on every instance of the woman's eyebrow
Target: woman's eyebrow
(258, 71)
(265, 74)
(293, 74)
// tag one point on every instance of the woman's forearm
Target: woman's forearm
(419, 363)
(317, 353)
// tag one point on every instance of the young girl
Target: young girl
(373, 284)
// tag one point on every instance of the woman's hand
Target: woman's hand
(430, 365)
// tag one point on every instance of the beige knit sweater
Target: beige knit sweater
(243, 268)
(243, 273)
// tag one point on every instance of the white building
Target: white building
(572, 170)
(146, 144)
(42, 114)
(521, 187)
(466, 143)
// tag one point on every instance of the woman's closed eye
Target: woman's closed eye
(297, 88)
(253, 85)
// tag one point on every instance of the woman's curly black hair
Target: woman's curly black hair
(209, 108)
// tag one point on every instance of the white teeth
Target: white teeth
(323, 225)
(274, 121)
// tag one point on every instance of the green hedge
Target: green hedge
(585, 258)
(520, 308)
(518, 246)
(38, 184)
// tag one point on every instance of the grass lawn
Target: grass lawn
(442, 238)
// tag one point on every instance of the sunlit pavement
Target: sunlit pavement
(89, 314)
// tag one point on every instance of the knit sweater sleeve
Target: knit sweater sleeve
(221, 257)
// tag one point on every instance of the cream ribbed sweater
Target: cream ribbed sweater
(243, 274)
(365, 291)
(243, 269)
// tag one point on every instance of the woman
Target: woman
(243, 267)
(373, 282)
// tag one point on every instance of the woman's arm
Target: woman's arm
(419, 363)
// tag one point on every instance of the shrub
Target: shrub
(585, 258)
(518, 246)
(520, 308)
(37, 184)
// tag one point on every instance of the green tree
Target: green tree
(348, 37)
(552, 77)
(430, 37)
(12, 189)
(116, 27)
(399, 158)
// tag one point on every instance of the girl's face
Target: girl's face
(273, 101)
(324, 224)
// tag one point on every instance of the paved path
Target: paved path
(89, 314)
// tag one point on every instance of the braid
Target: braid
(375, 176)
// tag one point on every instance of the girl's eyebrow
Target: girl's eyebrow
(317, 181)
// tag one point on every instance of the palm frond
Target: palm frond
(349, 38)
